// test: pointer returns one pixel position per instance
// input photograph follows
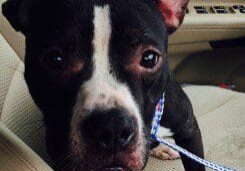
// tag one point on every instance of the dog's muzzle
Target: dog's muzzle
(108, 139)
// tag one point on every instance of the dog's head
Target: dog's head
(96, 68)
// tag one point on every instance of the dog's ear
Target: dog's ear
(17, 13)
(173, 12)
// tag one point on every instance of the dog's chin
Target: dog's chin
(95, 164)
(109, 165)
(130, 160)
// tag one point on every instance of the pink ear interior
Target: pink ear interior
(173, 12)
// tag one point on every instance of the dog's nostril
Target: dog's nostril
(126, 136)
(102, 135)
(105, 139)
(103, 144)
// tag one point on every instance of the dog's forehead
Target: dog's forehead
(134, 16)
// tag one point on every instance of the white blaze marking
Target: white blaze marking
(102, 82)
(101, 41)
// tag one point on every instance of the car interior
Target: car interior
(207, 58)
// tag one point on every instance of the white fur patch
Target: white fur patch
(102, 83)
(164, 132)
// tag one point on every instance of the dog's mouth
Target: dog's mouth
(121, 162)
(104, 166)
(113, 168)
(133, 159)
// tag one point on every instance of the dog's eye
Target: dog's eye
(149, 59)
(55, 61)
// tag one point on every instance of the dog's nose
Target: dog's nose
(111, 130)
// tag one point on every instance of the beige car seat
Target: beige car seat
(220, 114)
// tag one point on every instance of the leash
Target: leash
(156, 122)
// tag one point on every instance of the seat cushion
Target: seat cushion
(16, 155)
(220, 114)
(9, 62)
(17, 110)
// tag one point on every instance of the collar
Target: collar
(157, 117)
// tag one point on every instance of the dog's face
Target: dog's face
(97, 70)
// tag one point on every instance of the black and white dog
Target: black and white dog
(97, 68)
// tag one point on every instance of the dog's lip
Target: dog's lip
(113, 168)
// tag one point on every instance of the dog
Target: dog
(97, 69)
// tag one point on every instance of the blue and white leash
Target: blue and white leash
(156, 122)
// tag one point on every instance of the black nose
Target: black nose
(112, 130)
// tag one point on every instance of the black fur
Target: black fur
(178, 116)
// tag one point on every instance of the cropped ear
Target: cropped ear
(173, 12)
(17, 13)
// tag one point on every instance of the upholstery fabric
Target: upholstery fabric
(9, 63)
(15, 155)
(18, 111)
(220, 114)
